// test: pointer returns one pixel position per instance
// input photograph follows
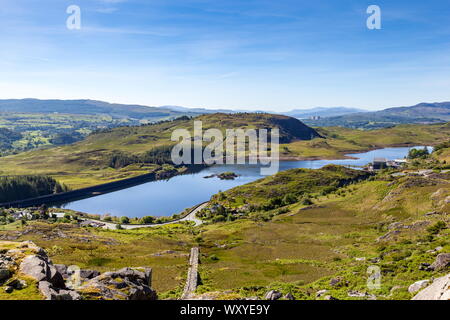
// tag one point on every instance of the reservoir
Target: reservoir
(167, 197)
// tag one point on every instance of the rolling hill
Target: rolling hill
(90, 107)
(321, 112)
(117, 153)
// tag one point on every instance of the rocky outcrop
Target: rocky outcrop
(442, 261)
(417, 286)
(273, 295)
(438, 290)
(41, 268)
(56, 282)
(125, 284)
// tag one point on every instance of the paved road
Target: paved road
(190, 217)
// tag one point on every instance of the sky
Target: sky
(273, 55)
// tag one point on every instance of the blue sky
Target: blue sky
(247, 54)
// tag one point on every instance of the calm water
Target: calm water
(165, 198)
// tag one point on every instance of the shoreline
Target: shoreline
(96, 190)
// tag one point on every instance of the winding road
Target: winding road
(189, 217)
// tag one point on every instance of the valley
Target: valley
(304, 233)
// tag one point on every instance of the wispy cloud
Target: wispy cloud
(106, 10)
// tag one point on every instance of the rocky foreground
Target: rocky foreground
(23, 265)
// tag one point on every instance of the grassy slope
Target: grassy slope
(303, 245)
(294, 181)
(343, 140)
(86, 162)
(298, 251)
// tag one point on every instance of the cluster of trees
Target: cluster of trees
(7, 137)
(159, 155)
(66, 138)
(418, 153)
(24, 187)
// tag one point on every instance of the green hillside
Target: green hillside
(89, 162)
(93, 160)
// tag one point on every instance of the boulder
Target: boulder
(62, 269)
(438, 290)
(4, 274)
(442, 261)
(35, 266)
(273, 295)
(335, 282)
(125, 284)
(321, 293)
(89, 274)
(289, 296)
(417, 286)
(41, 269)
(51, 293)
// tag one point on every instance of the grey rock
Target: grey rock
(417, 286)
(35, 266)
(4, 274)
(126, 284)
(54, 277)
(273, 295)
(62, 269)
(289, 296)
(442, 261)
(438, 290)
(336, 282)
(89, 274)
(41, 269)
(51, 293)
(321, 293)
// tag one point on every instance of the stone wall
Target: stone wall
(192, 277)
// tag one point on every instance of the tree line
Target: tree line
(24, 187)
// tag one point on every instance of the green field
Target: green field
(43, 130)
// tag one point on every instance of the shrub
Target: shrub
(418, 153)
(437, 227)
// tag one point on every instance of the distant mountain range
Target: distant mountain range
(334, 116)
(115, 110)
(322, 112)
(91, 107)
(420, 113)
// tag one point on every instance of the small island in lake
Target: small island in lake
(223, 176)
